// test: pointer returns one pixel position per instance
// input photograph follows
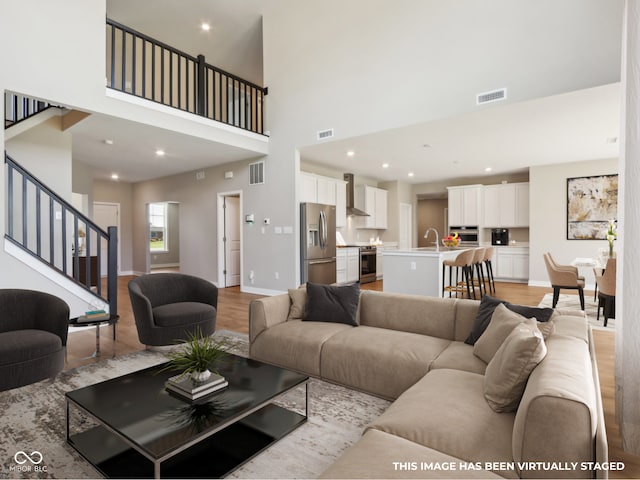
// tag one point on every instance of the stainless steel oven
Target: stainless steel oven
(367, 264)
(468, 235)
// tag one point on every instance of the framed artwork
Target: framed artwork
(591, 203)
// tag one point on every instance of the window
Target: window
(158, 236)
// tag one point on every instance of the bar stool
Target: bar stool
(478, 258)
(488, 256)
(463, 261)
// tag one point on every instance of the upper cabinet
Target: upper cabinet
(372, 200)
(326, 190)
(465, 205)
(506, 205)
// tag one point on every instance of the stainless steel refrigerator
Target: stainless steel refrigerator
(317, 243)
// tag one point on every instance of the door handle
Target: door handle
(317, 262)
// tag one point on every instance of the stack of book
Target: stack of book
(94, 316)
(185, 386)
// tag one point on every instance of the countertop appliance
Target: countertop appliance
(500, 236)
(317, 243)
(468, 235)
(368, 263)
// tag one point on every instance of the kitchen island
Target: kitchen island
(416, 271)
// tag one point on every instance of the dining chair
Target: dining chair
(563, 277)
(607, 294)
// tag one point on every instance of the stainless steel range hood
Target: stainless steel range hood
(351, 210)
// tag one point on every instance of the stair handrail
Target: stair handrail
(91, 272)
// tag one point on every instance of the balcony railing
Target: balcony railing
(19, 107)
(142, 66)
(50, 229)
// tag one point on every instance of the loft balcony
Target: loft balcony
(147, 68)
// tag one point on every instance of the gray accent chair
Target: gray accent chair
(33, 336)
(167, 307)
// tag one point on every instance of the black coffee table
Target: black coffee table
(136, 429)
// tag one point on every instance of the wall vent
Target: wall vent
(493, 96)
(256, 173)
(324, 134)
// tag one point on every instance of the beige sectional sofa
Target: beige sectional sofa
(410, 349)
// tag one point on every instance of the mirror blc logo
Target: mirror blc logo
(22, 457)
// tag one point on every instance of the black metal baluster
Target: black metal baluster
(76, 250)
(162, 93)
(64, 238)
(38, 223)
(144, 68)
(133, 64)
(113, 57)
(24, 210)
(10, 199)
(52, 227)
(200, 85)
(124, 58)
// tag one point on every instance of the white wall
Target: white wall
(548, 216)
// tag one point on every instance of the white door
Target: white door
(404, 241)
(232, 241)
(106, 215)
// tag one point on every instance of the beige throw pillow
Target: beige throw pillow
(503, 321)
(298, 299)
(507, 373)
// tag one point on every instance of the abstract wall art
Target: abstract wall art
(591, 203)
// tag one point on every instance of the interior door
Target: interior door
(232, 241)
(106, 215)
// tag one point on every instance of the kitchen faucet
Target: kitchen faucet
(426, 234)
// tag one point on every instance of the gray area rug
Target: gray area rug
(32, 419)
(572, 302)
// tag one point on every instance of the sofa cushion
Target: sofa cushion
(379, 361)
(503, 321)
(182, 313)
(485, 311)
(20, 346)
(377, 455)
(459, 356)
(332, 303)
(509, 369)
(446, 411)
(298, 298)
(295, 344)
(408, 313)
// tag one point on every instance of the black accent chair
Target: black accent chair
(33, 336)
(167, 307)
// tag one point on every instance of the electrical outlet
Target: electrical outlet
(200, 175)
(276, 275)
(413, 265)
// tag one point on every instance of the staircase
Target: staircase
(50, 230)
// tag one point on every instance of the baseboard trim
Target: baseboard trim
(260, 291)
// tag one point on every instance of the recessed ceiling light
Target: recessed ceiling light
(426, 145)
(160, 153)
(350, 153)
(108, 141)
(612, 140)
(205, 26)
(385, 165)
(114, 176)
(411, 174)
(488, 169)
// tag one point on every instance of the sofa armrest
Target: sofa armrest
(267, 312)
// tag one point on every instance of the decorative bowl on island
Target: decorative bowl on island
(451, 240)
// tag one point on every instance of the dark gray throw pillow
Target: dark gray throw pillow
(488, 304)
(332, 303)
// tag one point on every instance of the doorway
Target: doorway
(230, 246)
(107, 215)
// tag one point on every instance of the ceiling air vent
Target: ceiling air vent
(324, 134)
(493, 96)
(256, 173)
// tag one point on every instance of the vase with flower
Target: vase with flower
(612, 234)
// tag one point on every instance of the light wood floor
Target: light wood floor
(233, 308)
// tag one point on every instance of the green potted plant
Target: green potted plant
(196, 356)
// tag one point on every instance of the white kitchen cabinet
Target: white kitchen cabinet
(506, 205)
(465, 205)
(308, 188)
(372, 200)
(326, 190)
(511, 263)
(347, 264)
(353, 264)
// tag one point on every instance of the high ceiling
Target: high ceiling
(506, 137)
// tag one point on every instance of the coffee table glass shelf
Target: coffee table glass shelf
(132, 427)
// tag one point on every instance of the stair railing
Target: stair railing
(142, 66)
(46, 226)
